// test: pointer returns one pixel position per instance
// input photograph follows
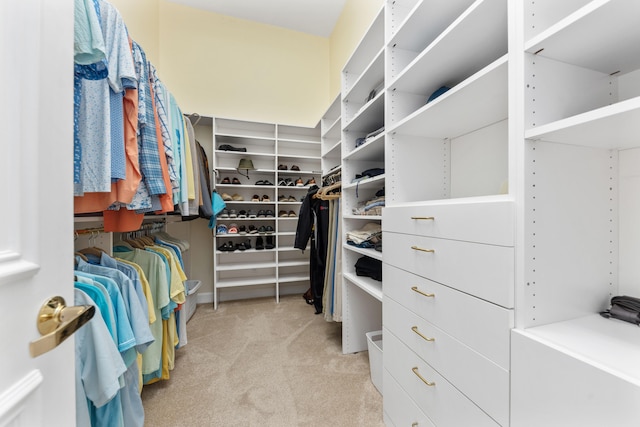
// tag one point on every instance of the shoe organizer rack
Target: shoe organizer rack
(253, 241)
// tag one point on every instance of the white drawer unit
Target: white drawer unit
(489, 222)
(445, 405)
(454, 312)
(477, 377)
(486, 271)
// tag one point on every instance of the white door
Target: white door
(36, 206)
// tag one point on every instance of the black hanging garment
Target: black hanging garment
(313, 223)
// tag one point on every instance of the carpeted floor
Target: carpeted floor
(258, 363)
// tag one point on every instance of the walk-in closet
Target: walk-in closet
(197, 194)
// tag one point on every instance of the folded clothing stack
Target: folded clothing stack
(369, 236)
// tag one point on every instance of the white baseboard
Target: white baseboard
(232, 294)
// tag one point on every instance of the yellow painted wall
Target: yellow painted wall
(356, 18)
(222, 66)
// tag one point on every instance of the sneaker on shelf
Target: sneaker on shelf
(265, 198)
(221, 229)
(282, 182)
(269, 243)
(237, 198)
(255, 198)
(230, 246)
(242, 229)
(223, 247)
(226, 197)
(251, 214)
(224, 214)
(225, 180)
(253, 229)
(242, 214)
(227, 147)
(236, 181)
(292, 199)
(283, 198)
(233, 229)
(269, 229)
(282, 167)
(269, 213)
(292, 213)
(233, 213)
(282, 213)
(299, 182)
(262, 229)
(262, 214)
(240, 246)
(290, 183)
(295, 168)
(311, 181)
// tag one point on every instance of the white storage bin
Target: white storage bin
(374, 344)
(191, 289)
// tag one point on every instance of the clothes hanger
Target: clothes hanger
(323, 193)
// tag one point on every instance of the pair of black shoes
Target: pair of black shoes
(260, 244)
(230, 247)
(227, 147)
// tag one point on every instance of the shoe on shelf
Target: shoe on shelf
(236, 181)
(224, 214)
(242, 229)
(292, 213)
(253, 229)
(259, 243)
(259, 182)
(262, 214)
(242, 214)
(230, 246)
(269, 229)
(233, 213)
(267, 182)
(290, 183)
(295, 168)
(283, 198)
(265, 198)
(269, 213)
(227, 147)
(225, 180)
(269, 243)
(262, 229)
(311, 181)
(221, 229)
(237, 198)
(251, 214)
(282, 167)
(233, 229)
(255, 198)
(282, 182)
(299, 182)
(240, 247)
(226, 197)
(223, 247)
(282, 213)
(247, 244)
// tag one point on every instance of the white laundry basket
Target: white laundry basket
(191, 289)
(374, 345)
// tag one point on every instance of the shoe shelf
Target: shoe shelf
(269, 147)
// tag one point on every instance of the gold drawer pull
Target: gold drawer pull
(415, 371)
(424, 218)
(415, 329)
(415, 248)
(414, 424)
(415, 289)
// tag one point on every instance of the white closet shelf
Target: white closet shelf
(613, 345)
(613, 126)
(333, 131)
(373, 149)
(370, 252)
(365, 183)
(361, 58)
(459, 51)
(369, 118)
(300, 263)
(477, 102)
(245, 265)
(598, 36)
(298, 141)
(367, 284)
(425, 22)
(228, 169)
(334, 150)
(289, 278)
(225, 153)
(296, 156)
(369, 80)
(231, 283)
(366, 217)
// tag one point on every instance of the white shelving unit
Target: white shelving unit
(363, 103)
(331, 138)
(273, 149)
(580, 155)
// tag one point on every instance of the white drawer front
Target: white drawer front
(482, 222)
(399, 407)
(477, 377)
(441, 402)
(483, 326)
(485, 271)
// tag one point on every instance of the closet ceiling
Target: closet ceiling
(317, 17)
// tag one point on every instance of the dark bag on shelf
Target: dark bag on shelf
(624, 308)
(369, 267)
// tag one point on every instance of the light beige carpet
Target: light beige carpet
(258, 363)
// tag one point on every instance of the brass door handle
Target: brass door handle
(57, 322)
(415, 289)
(429, 383)
(424, 218)
(416, 248)
(421, 335)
